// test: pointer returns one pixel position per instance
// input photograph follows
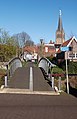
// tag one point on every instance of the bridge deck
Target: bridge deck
(40, 84)
(21, 79)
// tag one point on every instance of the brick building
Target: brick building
(72, 53)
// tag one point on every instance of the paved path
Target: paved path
(40, 84)
(14, 106)
(21, 79)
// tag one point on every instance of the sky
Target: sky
(38, 18)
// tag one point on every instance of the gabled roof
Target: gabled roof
(67, 43)
(30, 49)
(73, 38)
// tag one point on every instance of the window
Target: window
(46, 49)
(71, 55)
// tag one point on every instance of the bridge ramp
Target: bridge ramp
(20, 78)
(40, 84)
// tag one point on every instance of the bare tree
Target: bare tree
(29, 43)
(4, 36)
(71, 35)
(21, 38)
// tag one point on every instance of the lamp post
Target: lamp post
(41, 48)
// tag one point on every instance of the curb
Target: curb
(27, 91)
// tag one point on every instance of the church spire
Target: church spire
(60, 12)
(60, 26)
(60, 35)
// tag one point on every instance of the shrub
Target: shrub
(57, 70)
(72, 68)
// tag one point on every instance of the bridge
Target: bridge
(30, 78)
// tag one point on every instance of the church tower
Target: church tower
(60, 35)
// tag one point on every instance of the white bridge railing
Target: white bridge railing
(45, 64)
(12, 65)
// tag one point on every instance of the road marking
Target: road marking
(31, 79)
